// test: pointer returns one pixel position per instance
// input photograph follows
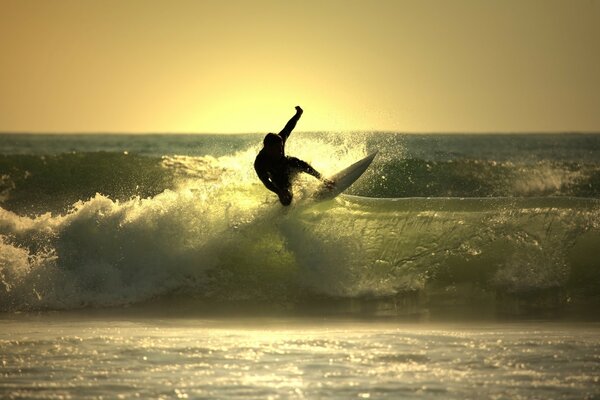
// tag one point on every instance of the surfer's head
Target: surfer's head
(273, 144)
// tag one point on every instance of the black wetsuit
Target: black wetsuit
(277, 173)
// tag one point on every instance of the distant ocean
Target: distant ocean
(458, 266)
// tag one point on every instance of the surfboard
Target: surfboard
(344, 179)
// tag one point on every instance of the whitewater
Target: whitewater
(456, 262)
(101, 222)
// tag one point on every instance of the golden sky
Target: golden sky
(241, 66)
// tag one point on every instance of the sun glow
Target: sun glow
(214, 66)
(248, 110)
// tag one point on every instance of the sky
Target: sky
(241, 66)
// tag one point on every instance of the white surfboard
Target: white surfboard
(344, 179)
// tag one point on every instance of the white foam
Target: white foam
(221, 234)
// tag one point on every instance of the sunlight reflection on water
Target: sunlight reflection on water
(79, 358)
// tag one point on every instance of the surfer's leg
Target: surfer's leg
(285, 197)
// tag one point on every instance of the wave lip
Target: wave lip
(410, 177)
(34, 184)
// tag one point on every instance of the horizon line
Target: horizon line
(112, 133)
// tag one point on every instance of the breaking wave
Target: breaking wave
(224, 242)
(112, 229)
(34, 184)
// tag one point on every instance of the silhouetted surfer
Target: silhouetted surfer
(275, 169)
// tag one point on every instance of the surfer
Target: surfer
(275, 169)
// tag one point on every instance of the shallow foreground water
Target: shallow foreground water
(64, 356)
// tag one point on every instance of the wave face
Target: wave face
(125, 225)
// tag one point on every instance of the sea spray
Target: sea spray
(205, 231)
(107, 253)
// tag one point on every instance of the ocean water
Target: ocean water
(265, 358)
(458, 266)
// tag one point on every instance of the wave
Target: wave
(106, 253)
(113, 229)
(35, 184)
(479, 178)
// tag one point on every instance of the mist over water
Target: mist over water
(495, 224)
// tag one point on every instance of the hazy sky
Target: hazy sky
(241, 66)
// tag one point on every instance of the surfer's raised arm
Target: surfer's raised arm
(289, 127)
